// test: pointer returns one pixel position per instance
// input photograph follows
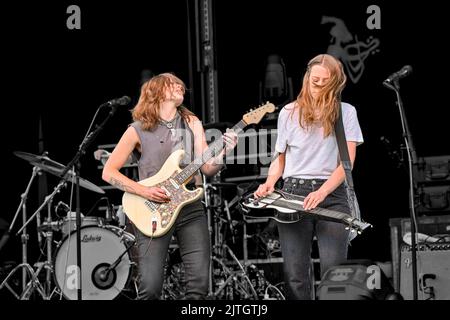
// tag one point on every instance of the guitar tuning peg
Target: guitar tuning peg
(347, 228)
(352, 231)
(359, 232)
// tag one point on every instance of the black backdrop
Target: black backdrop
(60, 76)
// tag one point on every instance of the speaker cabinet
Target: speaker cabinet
(433, 275)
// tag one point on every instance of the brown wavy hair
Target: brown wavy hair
(152, 95)
(329, 99)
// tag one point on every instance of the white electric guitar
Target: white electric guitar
(155, 219)
(289, 208)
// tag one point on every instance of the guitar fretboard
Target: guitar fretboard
(213, 150)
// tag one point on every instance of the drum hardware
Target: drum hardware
(61, 206)
(27, 270)
(225, 282)
(34, 283)
(110, 213)
(234, 283)
(120, 217)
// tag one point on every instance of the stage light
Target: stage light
(276, 86)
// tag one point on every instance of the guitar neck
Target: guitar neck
(335, 215)
(213, 150)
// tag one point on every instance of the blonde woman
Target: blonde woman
(308, 162)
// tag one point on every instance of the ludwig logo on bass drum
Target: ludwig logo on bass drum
(91, 238)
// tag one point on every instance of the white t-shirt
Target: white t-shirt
(308, 154)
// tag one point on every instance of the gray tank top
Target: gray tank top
(159, 143)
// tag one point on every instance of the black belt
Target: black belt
(304, 181)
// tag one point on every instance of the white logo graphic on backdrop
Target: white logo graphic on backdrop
(346, 47)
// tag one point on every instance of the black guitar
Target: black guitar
(289, 208)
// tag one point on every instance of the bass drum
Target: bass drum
(100, 248)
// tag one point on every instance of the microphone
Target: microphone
(123, 101)
(403, 72)
(104, 274)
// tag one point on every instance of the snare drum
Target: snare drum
(100, 248)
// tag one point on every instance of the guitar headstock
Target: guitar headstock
(255, 116)
(358, 226)
(250, 202)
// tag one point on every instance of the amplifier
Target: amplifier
(428, 225)
(433, 273)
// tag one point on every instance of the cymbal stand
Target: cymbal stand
(45, 203)
(237, 280)
(27, 270)
(49, 239)
(208, 205)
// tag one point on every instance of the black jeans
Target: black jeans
(191, 229)
(296, 239)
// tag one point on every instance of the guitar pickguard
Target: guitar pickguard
(178, 195)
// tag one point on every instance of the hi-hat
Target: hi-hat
(48, 165)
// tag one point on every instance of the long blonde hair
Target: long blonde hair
(329, 99)
(152, 94)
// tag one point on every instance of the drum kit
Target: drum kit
(107, 263)
(106, 267)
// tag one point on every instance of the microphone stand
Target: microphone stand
(412, 160)
(76, 164)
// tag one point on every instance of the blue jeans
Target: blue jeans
(296, 239)
(191, 230)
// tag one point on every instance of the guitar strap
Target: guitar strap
(347, 165)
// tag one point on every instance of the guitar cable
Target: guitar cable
(139, 236)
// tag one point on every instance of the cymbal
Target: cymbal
(48, 165)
